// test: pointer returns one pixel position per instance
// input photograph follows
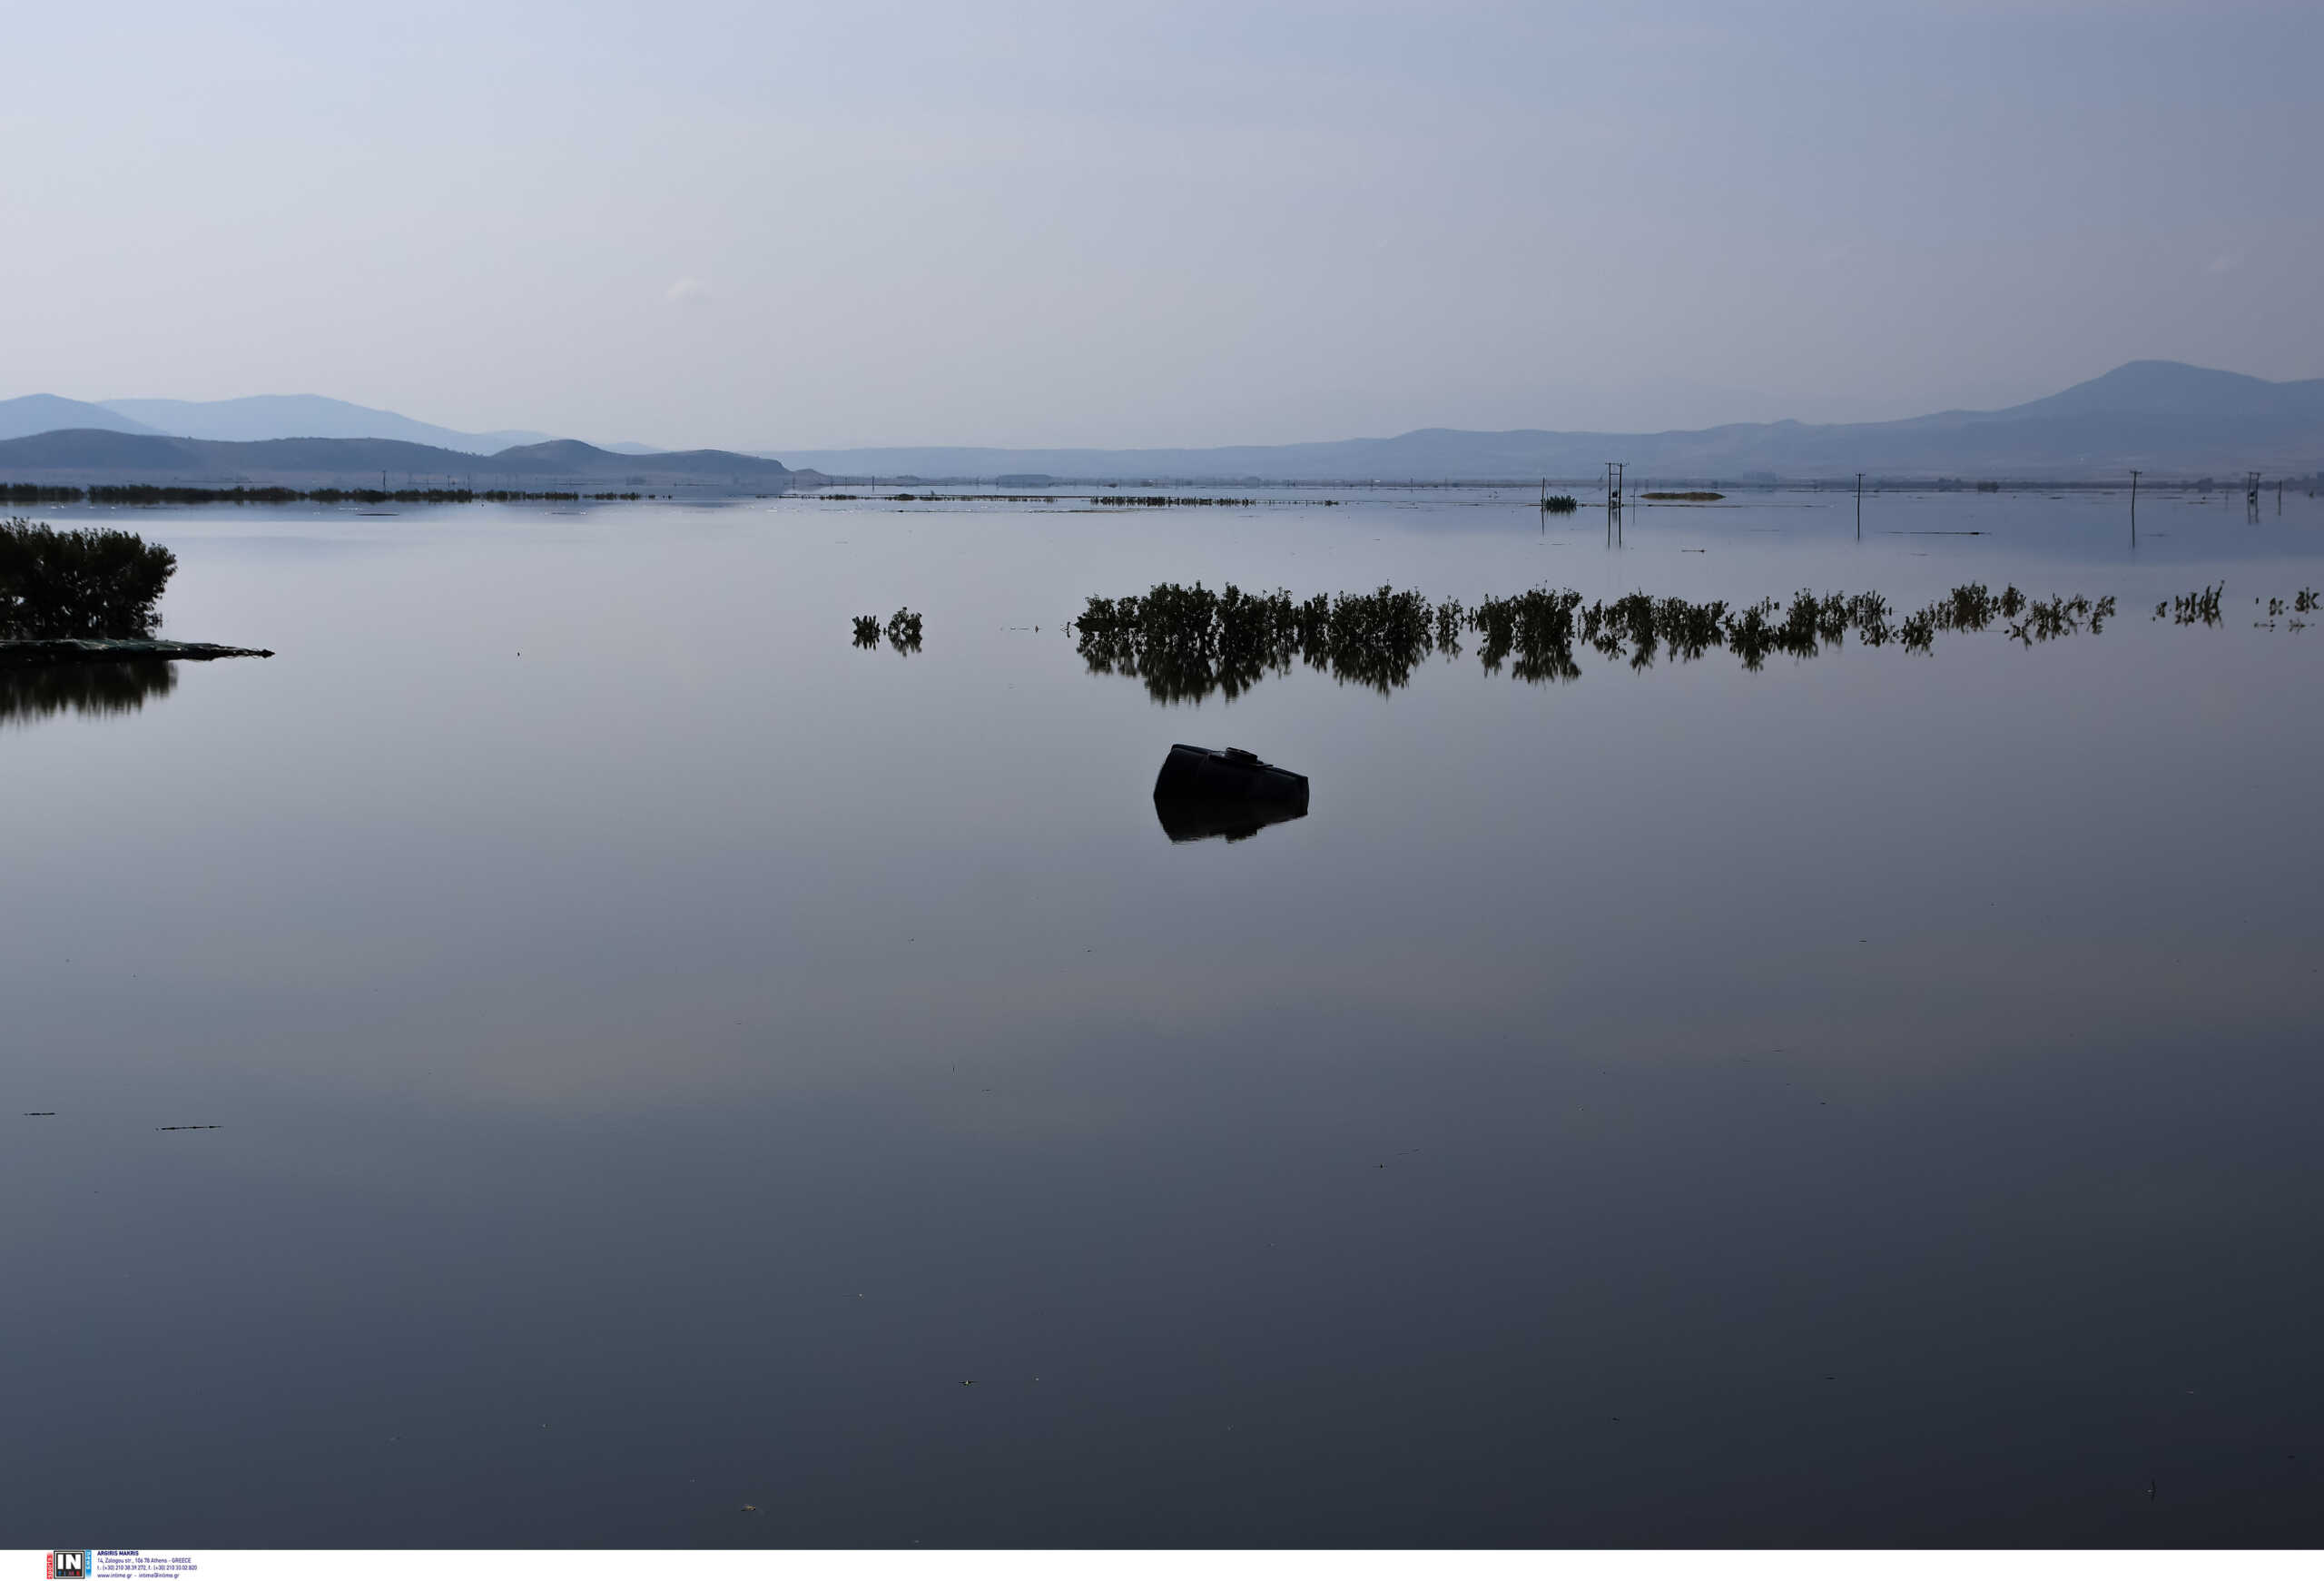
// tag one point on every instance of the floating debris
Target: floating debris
(1203, 794)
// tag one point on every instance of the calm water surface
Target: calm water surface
(667, 1059)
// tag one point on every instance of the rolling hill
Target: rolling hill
(40, 414)
(2164, 418)
(83, 456)
(283, 417)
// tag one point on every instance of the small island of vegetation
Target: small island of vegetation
(87, 595)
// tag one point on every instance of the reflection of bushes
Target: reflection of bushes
(79, 584)
(1186, 643)
(33, 692)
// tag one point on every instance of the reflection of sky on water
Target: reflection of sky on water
(1884, 1083)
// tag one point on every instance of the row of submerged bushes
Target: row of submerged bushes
(1165, 499)
(79, 584)
(1187, 643)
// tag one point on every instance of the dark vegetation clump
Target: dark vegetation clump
(1690, 494)
(867, 631)
(2200, 607)
(1188, 643)
(1532, 633)
(1561, 503)
(903, 631)
(79, 584)
(1171, 500)
(2052, 618)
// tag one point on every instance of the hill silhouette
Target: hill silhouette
(279, 416)
(103, 456)
(2167, 418)
(2164, 418)
(40, 414)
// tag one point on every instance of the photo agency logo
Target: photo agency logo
(67, 1562)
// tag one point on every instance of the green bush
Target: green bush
(87, 583)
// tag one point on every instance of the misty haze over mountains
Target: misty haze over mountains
(103, 456)
(2167, 418)
(258, 417)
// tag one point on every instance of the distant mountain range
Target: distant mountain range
(253, 417)
(2164, 418)
(91, 455)
(2167, 418)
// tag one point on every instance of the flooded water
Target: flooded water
(666, 1059)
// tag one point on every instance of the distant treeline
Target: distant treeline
(171, 494)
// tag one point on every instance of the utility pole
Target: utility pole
(2134, 507)
(1859, 505)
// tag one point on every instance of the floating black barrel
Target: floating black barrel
(1233, 774)
(1201, 793)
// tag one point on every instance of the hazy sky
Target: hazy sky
(777, 225)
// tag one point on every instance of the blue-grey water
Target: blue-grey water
(667, 1059)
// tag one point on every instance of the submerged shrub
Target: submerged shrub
(1187, 643)
(82, 583)
(2199, 607)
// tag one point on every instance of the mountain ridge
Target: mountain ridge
(251, 418)
(105, 455)
(2161, 417)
